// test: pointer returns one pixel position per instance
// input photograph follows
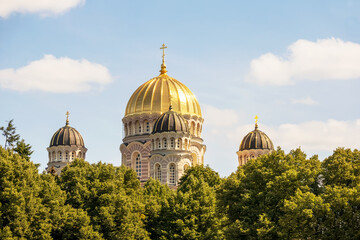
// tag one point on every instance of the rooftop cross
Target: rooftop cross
(163, 56)
(163, 66)
(67, 118)
(256, 122)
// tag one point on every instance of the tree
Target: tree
(157, 198)
(305, 216)
(10, 134)
(111, 197)
(32, 205)
(22, 214)
(189, 212)
(253, 198)
(23, 149)
(195, 210)
(342, 168)
(211, 177)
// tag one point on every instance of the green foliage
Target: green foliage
(23, 149)
(253, 197)
(110, 195)
(276, 196)
(32, 206)
(211, 177)
(195, 210)
(342, 168)
(158, 198)
(22, 214)
(304, 216)
(10, 135)
(189, 212)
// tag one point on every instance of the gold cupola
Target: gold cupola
(157, 94)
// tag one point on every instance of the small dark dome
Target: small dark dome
(170, 122)
(256, 140)
(67, 136)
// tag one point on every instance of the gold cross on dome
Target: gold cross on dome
(67, 117)
(163, 48)
(256, 119)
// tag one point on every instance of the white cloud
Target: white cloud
(306, 101)
(43, 7)
(325, 59)
(318, 136)
(58, 75)
(219, 117)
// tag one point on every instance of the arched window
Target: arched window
(130, 130)
(172, 174)
(147, 126)
(165, 142)
(178, 143)
(153, 144)
(192, 128)
(198, 129)
(53, 156)
(138, 165)
(125, 129)
(60, 155)
(172, 142)
(137, 127)
(158, 171)
(186, 144)
(123, 159)
(67, 156)
(158, 143)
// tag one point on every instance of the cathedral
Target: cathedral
(162, 133)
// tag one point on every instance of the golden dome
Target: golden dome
(157, 94)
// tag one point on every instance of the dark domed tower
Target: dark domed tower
(66, 144)
(254, 144)
(170, 151)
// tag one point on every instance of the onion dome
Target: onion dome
(157, 94)
(170, 121)
(256, 139)
(67, 136)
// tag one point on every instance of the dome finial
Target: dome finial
(67, 118)
(163, 66)
(256, 122)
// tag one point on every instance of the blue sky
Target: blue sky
(295, 64)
